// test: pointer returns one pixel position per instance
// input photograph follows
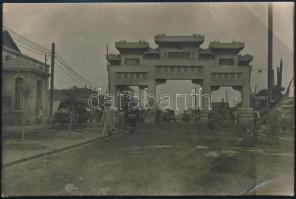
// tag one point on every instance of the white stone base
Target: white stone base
(246, 115)
(203, 116)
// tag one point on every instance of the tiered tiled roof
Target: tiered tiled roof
(152, 51)
(131, 45)
(227, 45)
(195, 38)
(206, 51)
(245, 58)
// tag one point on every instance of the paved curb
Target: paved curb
(19, 129)
(50, 152)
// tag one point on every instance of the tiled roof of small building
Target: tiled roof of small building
(131, 45)
(227, 45)
(181, 38)
(17, 53)
(8, 41)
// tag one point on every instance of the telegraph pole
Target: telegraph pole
(51, 80)
(107, 49)
(45, 60)
(195, 101)
(269, 56)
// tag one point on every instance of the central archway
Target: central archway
(180, 94)
(226, 94)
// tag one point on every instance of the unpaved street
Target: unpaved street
(176, 159)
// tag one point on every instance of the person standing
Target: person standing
(40, 116)
(256, 117)
(121, 115)
(273, 121)
(157, 116)
(108, 123)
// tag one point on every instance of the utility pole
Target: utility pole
(107, 49)
(140, 101)
(195, 98)
(279, 74)
(269, 49)
(72, 108)
(45, 60)
(51, 79)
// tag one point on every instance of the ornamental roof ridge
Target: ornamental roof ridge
(229, 45)
(194, 38)
(131, 44)
(193, 35)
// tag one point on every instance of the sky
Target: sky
(82, 31)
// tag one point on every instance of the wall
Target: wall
(8, 89)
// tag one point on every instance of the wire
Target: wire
(28, 45)
(72, 71)
(62, 61)
(26, 40)
(30, 49)
(65, 71)
(36, 48)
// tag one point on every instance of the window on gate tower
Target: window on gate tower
(179, 55)
(226, 61)
(132, 61)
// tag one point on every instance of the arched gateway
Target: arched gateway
(182, 58)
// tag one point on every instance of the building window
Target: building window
(19, 82)
(132, 61)
(179, 55)
(226, 61)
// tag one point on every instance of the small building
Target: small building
(24, 85)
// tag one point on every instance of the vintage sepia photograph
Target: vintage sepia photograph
(148, 99)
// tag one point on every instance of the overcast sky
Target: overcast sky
(81, 31)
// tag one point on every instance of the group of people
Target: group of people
(126, 119)
(272, 122)
(222, 118)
